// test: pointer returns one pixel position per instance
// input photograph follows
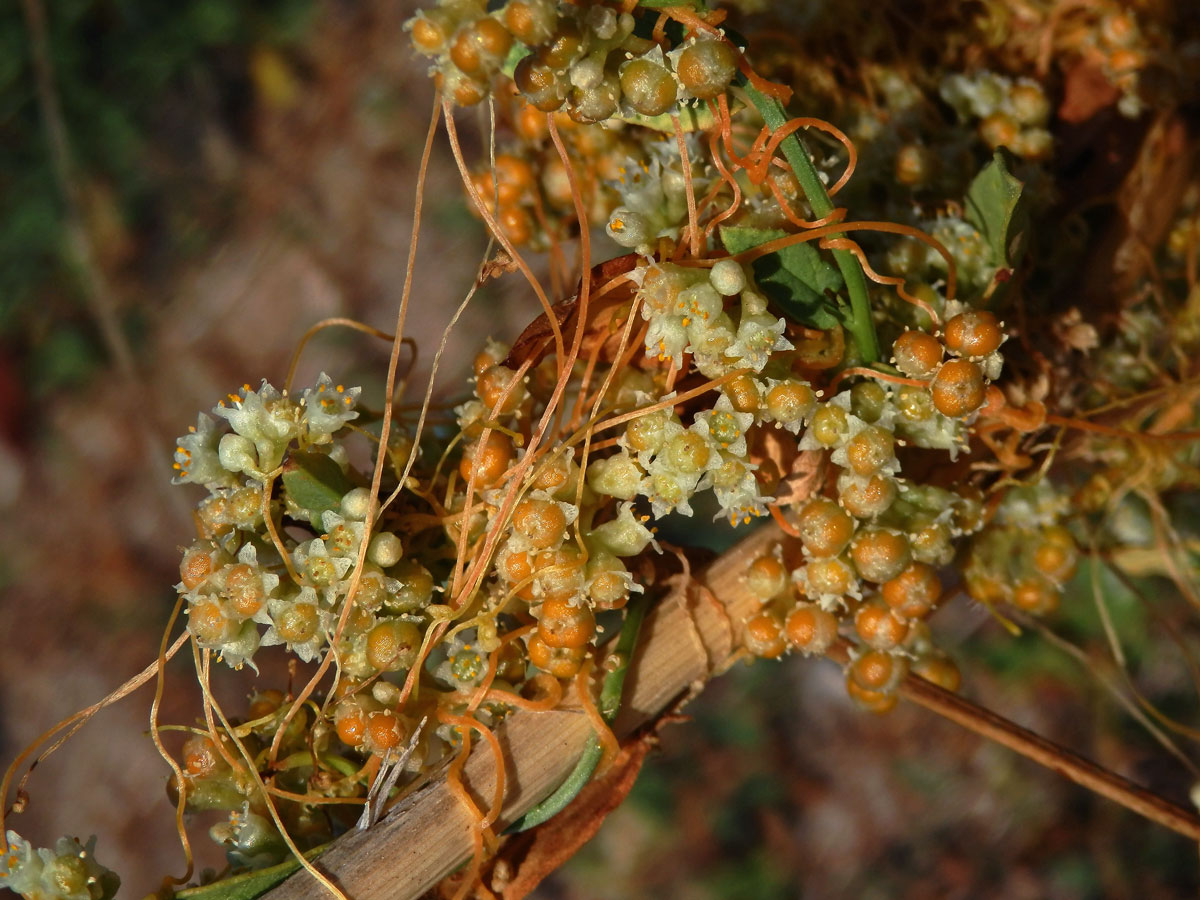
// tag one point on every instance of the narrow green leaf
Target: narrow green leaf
(314, 482)
(796, 278)
(249, 885)
(691, 118)
(997, 208)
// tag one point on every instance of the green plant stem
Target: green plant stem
(858, 323)
(610, 704)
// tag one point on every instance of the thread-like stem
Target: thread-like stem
(1032, 746)
(610, 704)
(858, 323)
(1045, 752)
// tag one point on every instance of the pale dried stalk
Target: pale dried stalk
(687, 638)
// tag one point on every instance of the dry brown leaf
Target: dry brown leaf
(1086, 91)
(804, 478)
(1075, 333)
(527, 859)
(500, 264)
(533, 342)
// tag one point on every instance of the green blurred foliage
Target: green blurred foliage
(131, 76)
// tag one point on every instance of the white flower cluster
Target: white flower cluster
(265, 423)
(661, 459)
(241, 593)
(686, 311)
(1011, 113)
(653, 195)
(68, 872)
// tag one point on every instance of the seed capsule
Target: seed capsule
(706, 68)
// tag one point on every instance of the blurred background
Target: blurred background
(185, 189)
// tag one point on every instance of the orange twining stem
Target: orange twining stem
(718, 184)
(659, 34)
(835, 215)
(890, 280)
(872, 373)
(456, 787)
(758, 172)
(1081, 425)
(725, 122)
(548, 687)
(785, 526)
(466, 723)
(695, 22)
(842, 227)
(604, 734)
(464, 584)
(585, 382)
(726, 178)
(670, 401)
(689, 188)
(493, 663)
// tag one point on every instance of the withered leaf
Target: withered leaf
(548, 846)
(534, 341)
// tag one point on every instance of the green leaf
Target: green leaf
(250, 884)
(691, 118)
(996, 207)
(795, 278)
(516, 53)
(314, 482)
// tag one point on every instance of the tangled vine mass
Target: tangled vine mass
(852, 331)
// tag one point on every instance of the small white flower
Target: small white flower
(342, 536)
(240, 649)
(656, 430)
(625, 535)
(757, 338)
(616, 476)
(321, 569)
(239, 455)
(68, 872)
(197, 458)
(699, 303)
(299, 623)
(669, 490)
(666, 339)
(465, 664)
(266, 417)
(327, 408)
(737, 490)
(724, 427)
